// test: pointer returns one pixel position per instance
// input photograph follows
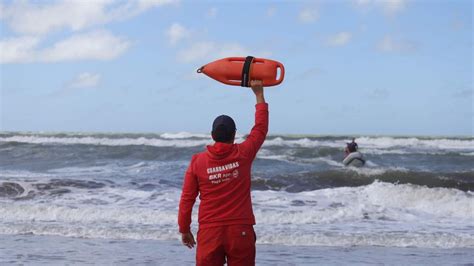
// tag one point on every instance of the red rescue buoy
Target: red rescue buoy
(239, 71)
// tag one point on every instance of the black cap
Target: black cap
(225, 122)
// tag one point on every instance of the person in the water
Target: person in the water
(351, 147)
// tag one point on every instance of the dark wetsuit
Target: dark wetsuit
(352, 147)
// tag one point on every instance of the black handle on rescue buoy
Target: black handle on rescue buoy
(246, 71)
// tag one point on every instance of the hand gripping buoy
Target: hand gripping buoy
(239, 71)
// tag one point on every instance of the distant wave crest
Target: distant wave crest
(375, 145)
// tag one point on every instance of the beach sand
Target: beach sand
(55, 250)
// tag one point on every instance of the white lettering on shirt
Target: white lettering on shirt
(216, 175)
(222, 168)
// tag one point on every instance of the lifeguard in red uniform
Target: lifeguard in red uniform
(221, 177)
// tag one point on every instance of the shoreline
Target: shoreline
(59, 250)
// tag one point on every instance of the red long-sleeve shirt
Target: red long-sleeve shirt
(221, 177)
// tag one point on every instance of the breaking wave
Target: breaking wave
(321, 217)
(185, 139)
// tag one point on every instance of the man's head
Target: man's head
(223, 129)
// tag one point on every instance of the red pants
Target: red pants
(236, 243)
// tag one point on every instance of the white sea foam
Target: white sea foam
(85, 214)
(283, 158)
(398, 201)
(184, 135)
(387, 239)
(91, 172)
(106, 231)
(289, 158)
(373, 145)
(111, 169)
(441, 143)
(304, 142)
(108, 141)
(378, 214)
(385, 145)
(326, 160)
(372, 169)
(366, 171)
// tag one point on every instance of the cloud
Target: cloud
(100, 45)
(143, 5)
(85, 80)
(232, 49)
(39, 19)
(211, 50)
(196, 51)
(389, 7)
(32, 21)
(339, 39)
(96, 45)
(362, 2)
(389, 44)
(176, 32)
(212, 13)
(201, 50)
(26, 18)
(308, 15)
(392, 7)
(18, 49)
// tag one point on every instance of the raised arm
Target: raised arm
(257, 88)
(259, 131)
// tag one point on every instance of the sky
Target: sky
(362, 67)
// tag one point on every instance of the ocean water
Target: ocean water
(413, 201)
